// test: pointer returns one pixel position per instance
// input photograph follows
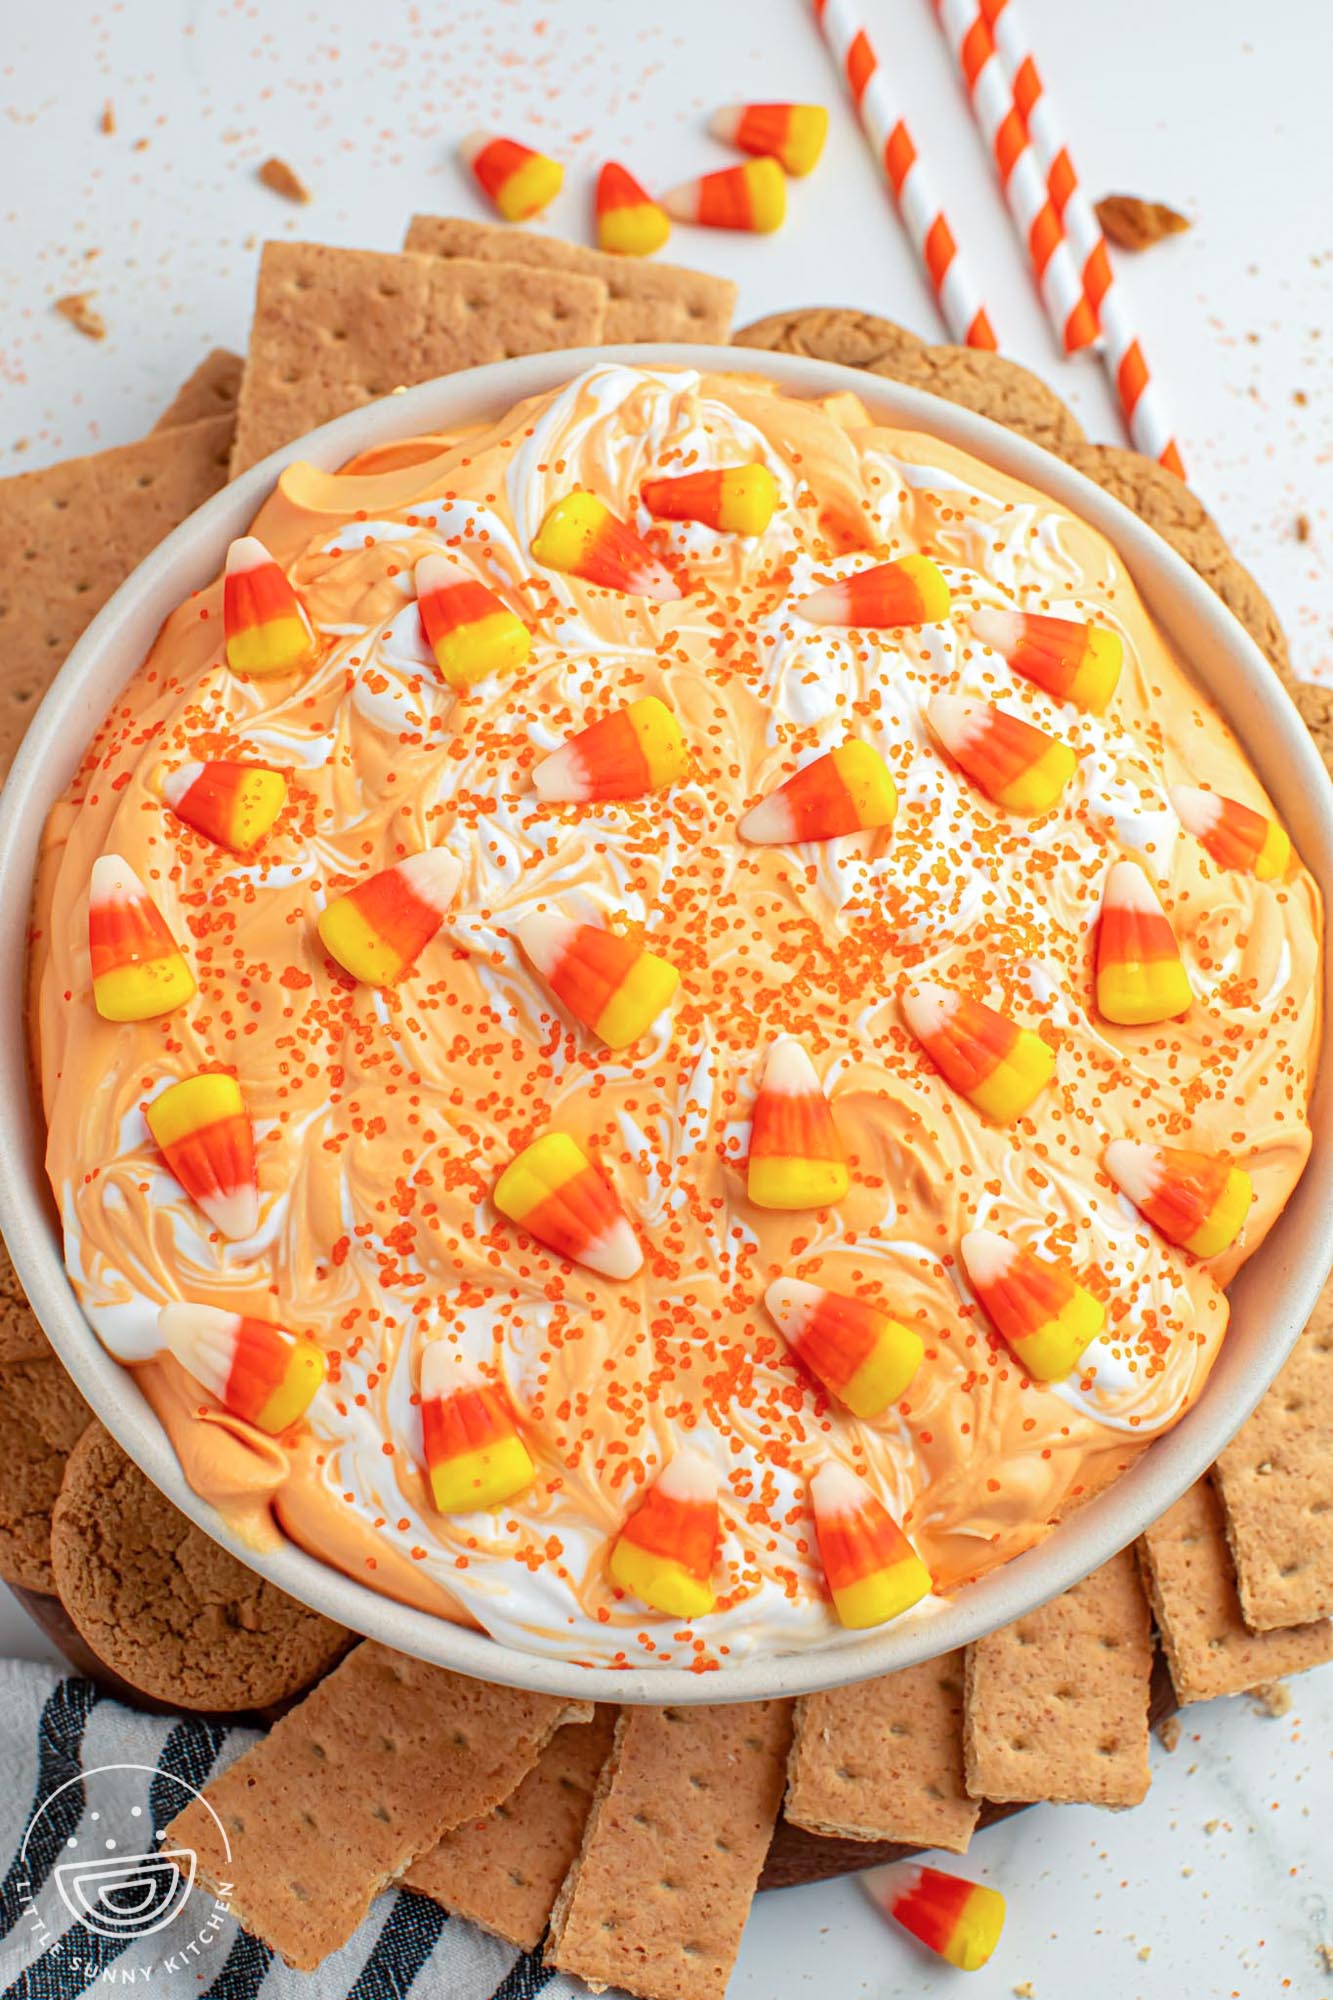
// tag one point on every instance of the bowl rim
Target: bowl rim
(1294, 1259)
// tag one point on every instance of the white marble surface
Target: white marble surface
(1222, 1884)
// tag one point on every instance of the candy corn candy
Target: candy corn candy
(582, 537)
(664, 1554)
(738, 499)
(519, 182)
(1020, 767)
(1140, 977)
(1195, 1199)
(910, 591)
(872, 1570)
(474, 1454)
(258, 1371)
(553, 1190)
(984, 1056)
(1235, 835)
(377, 930)
(629, 221)
(753, 196)
(841, 792)
(862, 1357)
(634, 750)
(1038, 1305)
(233, 804)
(608, 982)
(959, 1921)
(138, 971)
(266, 628)
(203, 1130)
(1073, 659)
(796, 1157)
(791, 134)
(469, 630)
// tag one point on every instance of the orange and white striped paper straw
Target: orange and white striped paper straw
(1019, 171)
(1138, 395)
(922, 217)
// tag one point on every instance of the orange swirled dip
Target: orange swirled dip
(383, 1115)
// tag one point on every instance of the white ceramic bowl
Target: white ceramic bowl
(1271, 1299)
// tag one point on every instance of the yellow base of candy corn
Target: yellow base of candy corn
(292, 1398)
(659, 1582)
(774, 1182)
(806, 133)
(563, 537)
(192, 1103)
(977, 1931)
(1274, 857)
(1134, 995)
(1040, 786)
(483, 1478)
(260, 798)
(1014, 1083)
(1053, 1351)
(142, 992)
(276, 647)
(869, 783)
(660, 740)
(530, 188)
(497, 644)
(635, 231)
(1227, 1217)
(647, 988)
(749, 500)
(886, 1594)
(1099, 671)
(537, 1171)
(357, 946)
(929, 580)
(885, 1373)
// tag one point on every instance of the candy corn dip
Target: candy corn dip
(689, 1056)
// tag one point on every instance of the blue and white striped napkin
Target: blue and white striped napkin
(62, 1744)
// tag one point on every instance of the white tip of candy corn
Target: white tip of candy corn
(792, 1302)
(444, 1372)
(544, 937)
(834, 1490)
(1135, 1168)
(247, 552)
(688, 1476)
(789, 1071)
(986, 1257)
(438, 572)
(1198, 811)
(927, 1007)
(114, 881)
(769, 824)
(475, 143)
(956, 721)
(178, 782)
(433, 875)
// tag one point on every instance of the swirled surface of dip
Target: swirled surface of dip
(384, 1118)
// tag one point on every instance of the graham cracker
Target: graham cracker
(42, 1416)
(333, 329)
(1056, 1704)
(210, 392)
(1209, 1648)
(74, 532)
(677, 1835)
(884, 1760)
(385, 1756)
(164, 1605)
(504, 1873)
(1275, 1480)
(646, 300)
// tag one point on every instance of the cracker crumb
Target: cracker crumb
(107, 122)
(1168, 1732)
(1133, 224)
(1026, 1991)
(1211, 1825)
(283, 180)
(1145, 1953)
(1326, 1954)
(1271, 1698)
(1302, 527)
(78, 309)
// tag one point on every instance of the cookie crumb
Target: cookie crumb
(1302, 527)
(1133, 224)
(1145, 1953)
(1211, 1825)
(283, 180)
(1271, 1698)
(107, 122)
(78, 309)
(1326, 1954)
(1168, 1732)
(1026, 1991)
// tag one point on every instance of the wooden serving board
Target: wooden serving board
(795, 1856)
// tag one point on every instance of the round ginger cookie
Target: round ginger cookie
(21, 1336)
(970, 376)
(42, 1417)
(167, 1608)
